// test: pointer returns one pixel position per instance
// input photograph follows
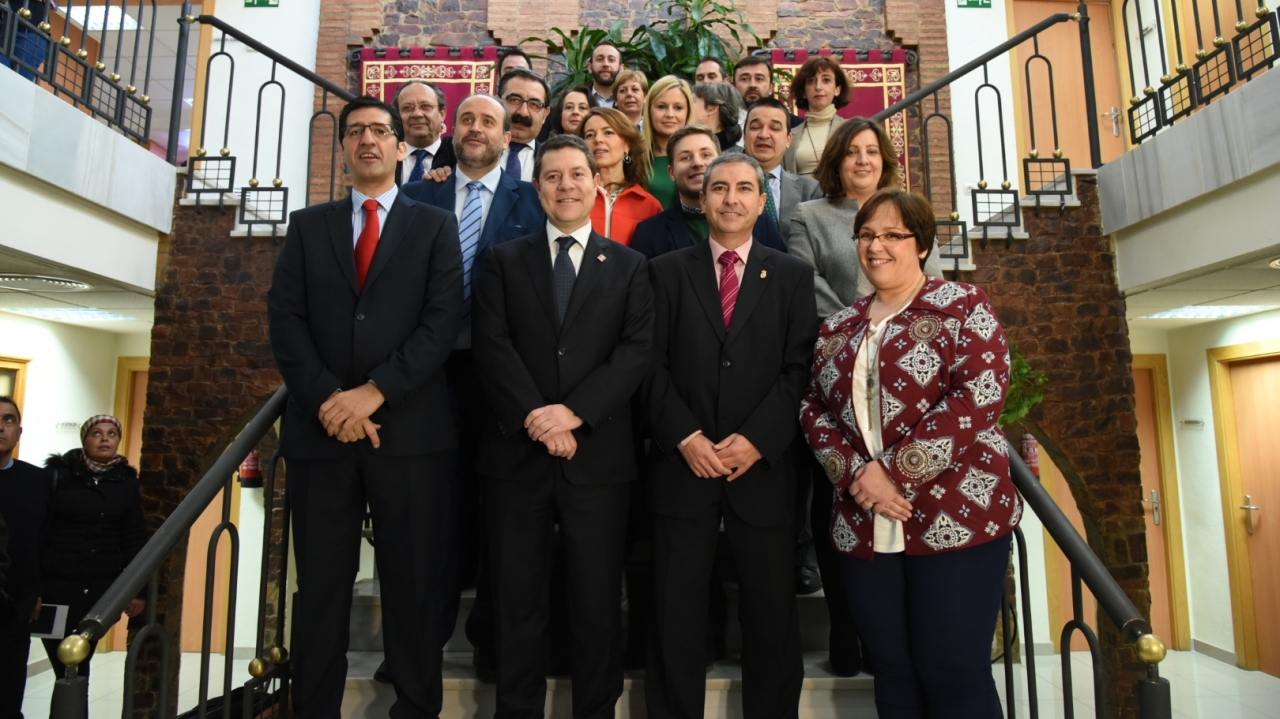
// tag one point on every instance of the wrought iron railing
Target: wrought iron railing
(108, 73)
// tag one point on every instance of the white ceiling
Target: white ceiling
(104, 295)
(1249, 282)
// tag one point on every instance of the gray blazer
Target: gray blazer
(789, 159)
(822, 235)
(795, 189)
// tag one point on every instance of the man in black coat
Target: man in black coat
(733, 344)
(25, 490)
(563, 337)
(364, 308)
(422, 107)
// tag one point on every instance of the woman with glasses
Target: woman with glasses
(901, 410)
(668, 108)
(624, 167)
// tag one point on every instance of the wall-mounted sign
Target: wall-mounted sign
(1191, 424)
(959, 3)
(262, 3)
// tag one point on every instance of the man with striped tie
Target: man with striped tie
(492, 207)
(733, 344)
(563, 338)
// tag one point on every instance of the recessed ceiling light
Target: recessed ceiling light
(1207, 312)
(1275, 264)
(95, 18)
(41, 283)
(70, 314)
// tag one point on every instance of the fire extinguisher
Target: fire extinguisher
(251, 471)
(1031, 453)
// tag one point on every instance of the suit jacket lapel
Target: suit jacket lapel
(678, 229)
(537, 260)
(754, 278)
(702, 275)
(789, 194)
(588, 274)
(503, 201)
(344, 248)
(392, 235)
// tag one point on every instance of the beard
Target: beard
(470, 157)
(604, 78)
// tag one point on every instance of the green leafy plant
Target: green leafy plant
(568, 54)
(1026, 388)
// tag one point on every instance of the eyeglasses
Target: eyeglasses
(425, 107)
(888, 238)
(514, 102)
(380, 131)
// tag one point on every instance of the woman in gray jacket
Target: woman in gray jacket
(857, 161)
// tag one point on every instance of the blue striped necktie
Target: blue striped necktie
(469, 235)
(419, 165)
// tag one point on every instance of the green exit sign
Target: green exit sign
(276, 3)
(959, 3)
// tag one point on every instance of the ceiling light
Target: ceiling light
(41, 283)
(1207, 312)
(1275, 264)
(70, 314)
(102, 18)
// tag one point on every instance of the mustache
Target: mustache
(524, 120)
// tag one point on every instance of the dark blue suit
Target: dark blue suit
(666, 232)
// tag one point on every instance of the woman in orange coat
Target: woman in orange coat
(625, 169)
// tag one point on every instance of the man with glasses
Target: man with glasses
(422, 108)
(364, 308)
(525, 95)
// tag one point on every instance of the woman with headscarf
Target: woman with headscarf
(94, 528)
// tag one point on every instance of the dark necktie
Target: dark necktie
(513, 159)
(368, 242)
(728, 285)
(419, 165)
(769, 205)
(565, 276)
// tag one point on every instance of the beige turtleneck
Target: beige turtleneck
(811, 140)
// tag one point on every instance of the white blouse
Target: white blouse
(889, 537)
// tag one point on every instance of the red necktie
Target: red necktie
(368, 242)
(728, 285)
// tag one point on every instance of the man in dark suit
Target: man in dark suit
(691, 150)
(422, 107)
(766, 138)
(733, 344)
(502, 208)
(563, 337)
(364, 308)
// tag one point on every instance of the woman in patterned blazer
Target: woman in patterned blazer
(901, 412)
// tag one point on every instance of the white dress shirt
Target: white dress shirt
(581, 237)
(490, 182)
(888, 537)
(601, 100)
(406, 167)
(526, 161)
(357, 211)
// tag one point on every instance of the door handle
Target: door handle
(1115, 123)
(1155, 506)
(1249, 509)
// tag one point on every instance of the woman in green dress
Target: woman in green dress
(668, 107)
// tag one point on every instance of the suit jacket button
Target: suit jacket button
(359, 318)
(725, 363)
(561, 351)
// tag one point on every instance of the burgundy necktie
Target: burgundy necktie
(368, 242)
(728, 285)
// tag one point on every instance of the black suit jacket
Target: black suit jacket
(444, 157)
(327, 335)
(748, 379)
(592, 364)
(666, 232)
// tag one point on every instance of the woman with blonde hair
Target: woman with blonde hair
(668, 107)
(628, 94)
(624, 166)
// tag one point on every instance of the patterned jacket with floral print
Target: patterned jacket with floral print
(944, 370)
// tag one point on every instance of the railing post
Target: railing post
(1090, 91)
(70, 698)
(1154, 701)
(179, 78)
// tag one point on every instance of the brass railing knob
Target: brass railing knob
(277, 182)
(982, 184)
(74, 649)
(1148, 90)
(1202, 54)
(24, 13)
(1005, 185)
(1262, 11)
(258, 667)
(201, 152)
(253, 182)
(115, 77)
(45, 27)
(1151, 649)
(146, 99)
(278, 655)
(1077, 17)
(99, 66)
(1166, 79)
(1240, 26)
(1182, 67)
(64, 41)
(190, 18)
(131, 89)
(955, 216)
(225, 151)
(1135, 100)
(1057, 154)
(1219, 41)
(1035, 154)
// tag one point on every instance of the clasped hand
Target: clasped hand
(732, 456)
(553, 425)
(345, 415)
(875, 491)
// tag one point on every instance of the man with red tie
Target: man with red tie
(734, 337)
(365, 306)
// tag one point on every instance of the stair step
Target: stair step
(824, 695)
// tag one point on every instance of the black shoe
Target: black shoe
(808, 580)
(382, 676)
(843, 666)
(485, 669)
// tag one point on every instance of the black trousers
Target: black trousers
(408, 497)
(772, 667)
(928, 621)
(15, 648)
(522, 515)
(843, 647)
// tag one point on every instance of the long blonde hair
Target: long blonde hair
(661, 86)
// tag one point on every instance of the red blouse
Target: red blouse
(944, 372)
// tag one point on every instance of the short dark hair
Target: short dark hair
(688, 130)
(6, 399)
(729, 158)
(917, 216)
(751, 60)
(557, 112)
(510, 52)
(563, 142)
(519, 73)
(360, 103)
(727, 101)
(837, 148)
(810, 69)
(440, 98)
(604, 43)
(711, 58)
(765, 103)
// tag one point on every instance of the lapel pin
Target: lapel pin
(764, 274)
(600, 257)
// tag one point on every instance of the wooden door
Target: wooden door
(1155, 504)
(1061, 45)
(1254, 386)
